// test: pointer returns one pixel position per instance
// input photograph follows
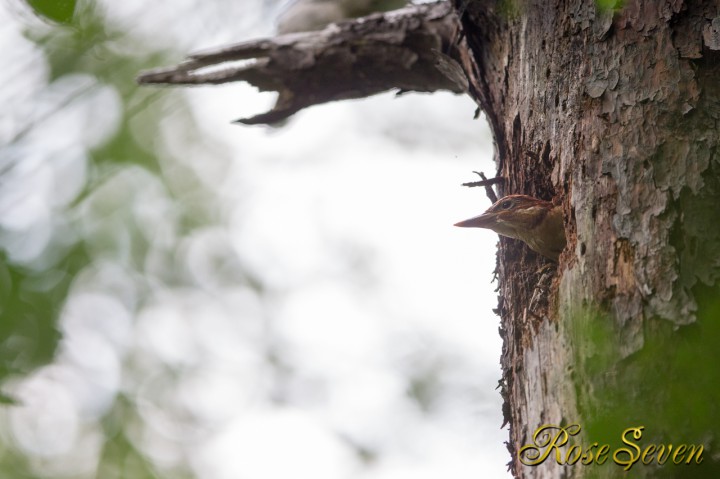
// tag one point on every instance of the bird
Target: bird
(538, 223)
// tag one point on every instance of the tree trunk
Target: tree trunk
(615, 114)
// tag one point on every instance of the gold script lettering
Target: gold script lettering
(631, 458)
(544, 442)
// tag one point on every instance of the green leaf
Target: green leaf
(60, 11)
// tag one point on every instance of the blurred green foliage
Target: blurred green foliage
(30, 312)
(60, 11)
(32, 299)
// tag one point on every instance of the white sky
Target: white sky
(346, 215)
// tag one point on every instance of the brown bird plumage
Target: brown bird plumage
(536, 222)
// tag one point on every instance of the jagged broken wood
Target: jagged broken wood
(418, 48)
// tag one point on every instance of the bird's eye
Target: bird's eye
(506, 205)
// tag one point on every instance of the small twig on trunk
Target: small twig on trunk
(487, 184)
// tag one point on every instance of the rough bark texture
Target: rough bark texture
(614, 113)
(411, 49)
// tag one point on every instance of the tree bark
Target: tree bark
(615, 114)
(612, 113)
(417, 48)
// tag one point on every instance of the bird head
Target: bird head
(538, 223)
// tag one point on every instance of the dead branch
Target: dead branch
(417, 48)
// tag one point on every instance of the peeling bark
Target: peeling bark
(412, 49)
(615, 114)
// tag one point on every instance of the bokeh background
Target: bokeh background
(181, 297)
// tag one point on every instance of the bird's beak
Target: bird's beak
(485, 220)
